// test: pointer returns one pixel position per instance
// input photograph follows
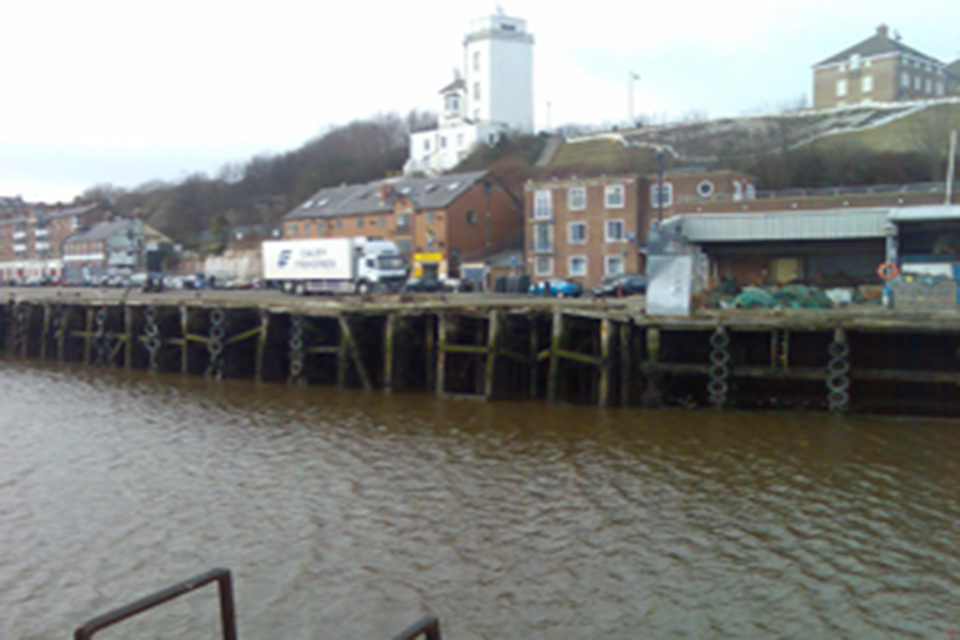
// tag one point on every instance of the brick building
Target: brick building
(437, 223)
(585, 229)
(882, 69)
(32, 237)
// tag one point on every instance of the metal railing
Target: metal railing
(228, 620)
(427, 627)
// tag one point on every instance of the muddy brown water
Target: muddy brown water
(345, 514)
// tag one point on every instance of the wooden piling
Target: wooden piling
(262, 343)
(493, 335)
(556, 340)
(184, 339)
(127, 337)
(45, 331)
(389, 332)
(441, 352)
(606, 364)
(88, 332)
(626, 363)
(652, 397)
(349, 350)
(62, 334)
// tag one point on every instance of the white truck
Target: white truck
(333, 265)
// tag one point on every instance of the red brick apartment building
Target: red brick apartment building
(32, 237)
(437, 223)
(585, 229)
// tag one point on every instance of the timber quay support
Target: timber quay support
(590, 352)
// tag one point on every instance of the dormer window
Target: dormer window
(453, 103)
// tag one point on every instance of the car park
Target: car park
(558, 287)
(625, 284)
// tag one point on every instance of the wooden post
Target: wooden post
(430, 340)
(389, 332)
(556, 340)
(626, 363)
(343, 360)
(86, 336)
(606, 344)
(44, 331)
(349, 345)
(441, 352)
(262, 342)
(127, 337)
(652, 398)
(534, 357)
(62, 336)
(493, 335)
(185, 333)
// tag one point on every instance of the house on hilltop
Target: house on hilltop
(882, 69)
(492, 96)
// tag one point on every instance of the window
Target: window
(543, 238)
(403, 222)
(577, 266)
(471, 216)
(613, 231)
(426, 144)
(841, 88)
(866, 84)
(543, 266)
(476, 61)
(453, 103)
(339, 224)
(929, 85)
(542, 205)
(476, 90)
(443, 142)
(460, 140)
(613, 196)
(359, 223)
(705, 189)
(939, 88)
(666, 195)
(292, 229)
(917, 80)
(577, 198)
(613, 265)
(905, 80)
(577, 232)
(430, 217)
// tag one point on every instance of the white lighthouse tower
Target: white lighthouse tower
(493, 95)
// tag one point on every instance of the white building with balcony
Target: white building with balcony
(491, 96)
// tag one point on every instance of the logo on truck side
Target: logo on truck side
(284, 258)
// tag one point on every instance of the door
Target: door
(786, 270)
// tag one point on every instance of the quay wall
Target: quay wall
(605, 354)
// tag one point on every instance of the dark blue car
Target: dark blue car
(557, 287)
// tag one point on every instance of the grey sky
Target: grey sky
(125, 93)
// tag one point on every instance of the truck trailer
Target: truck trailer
(333, 265)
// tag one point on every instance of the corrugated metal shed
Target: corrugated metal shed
(830, 224)
(929, 212)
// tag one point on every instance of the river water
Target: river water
(350, 515)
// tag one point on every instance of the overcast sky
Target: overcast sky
(122, 92)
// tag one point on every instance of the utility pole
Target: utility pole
(951, 166)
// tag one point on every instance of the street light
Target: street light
(633, 76)
(659, 187)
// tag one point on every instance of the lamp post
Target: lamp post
(633, 76)
(659, 188)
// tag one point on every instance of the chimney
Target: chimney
(883, 30)
(386, 191)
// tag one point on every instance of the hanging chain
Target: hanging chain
(215, 344)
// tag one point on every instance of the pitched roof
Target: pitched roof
(878, 44)
(954, 68)
(359, 199)
(101, 231)
(456, 85)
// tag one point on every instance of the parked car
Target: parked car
(557, 287)
(626, 284)
(424, 285)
